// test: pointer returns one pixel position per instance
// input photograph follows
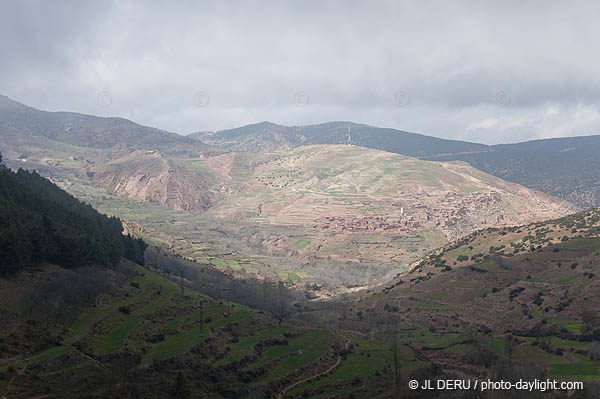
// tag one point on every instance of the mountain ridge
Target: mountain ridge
(565, 167)
(86, 130)
(332, 132)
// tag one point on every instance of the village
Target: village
(413, 212)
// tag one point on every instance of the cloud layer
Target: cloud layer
(468, 70)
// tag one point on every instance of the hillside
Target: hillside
(353, 181)
(134, 333)
(155, 332)
(244, 248)
(39, 222)
(70, 149)
(359, 205)
(305, 214)
(566, 168)
(534, 289)
(71, 307)
(149, 176)
(333, 215)
(337, 215)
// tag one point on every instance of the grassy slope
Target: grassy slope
(157, 308)
(557, 262)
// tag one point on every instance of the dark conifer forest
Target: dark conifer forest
(39, 222)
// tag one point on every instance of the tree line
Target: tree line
(39, 222)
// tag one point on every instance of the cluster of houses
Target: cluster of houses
(367, 224)
(443, 211)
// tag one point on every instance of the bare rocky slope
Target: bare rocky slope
(148, 176)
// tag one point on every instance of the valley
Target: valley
(337, 215)
(293, 200)
(362, 210)
(434, 319)
(526, 288)
(313, 270)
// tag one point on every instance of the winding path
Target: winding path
(281, 393)
(12, 379)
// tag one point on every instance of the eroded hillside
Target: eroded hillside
(148, 176)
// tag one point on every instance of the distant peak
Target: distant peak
(266, 124)
(256, 126)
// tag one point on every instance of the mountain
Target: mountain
(457, 286)
(567, 168)
(71, 149)
(305, 212)
(267, 136)
(24, 127)
(72, 306)
(170, 329)
(264, 136)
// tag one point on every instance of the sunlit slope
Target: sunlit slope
(564, 167)
(337, 203)
(350, 187)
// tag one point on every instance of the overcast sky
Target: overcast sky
(468, 70)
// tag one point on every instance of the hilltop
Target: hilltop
(564, 167)
(267, 136)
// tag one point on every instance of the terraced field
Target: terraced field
(147, 326)
(299, 351)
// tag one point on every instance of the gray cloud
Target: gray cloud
(469, 70)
